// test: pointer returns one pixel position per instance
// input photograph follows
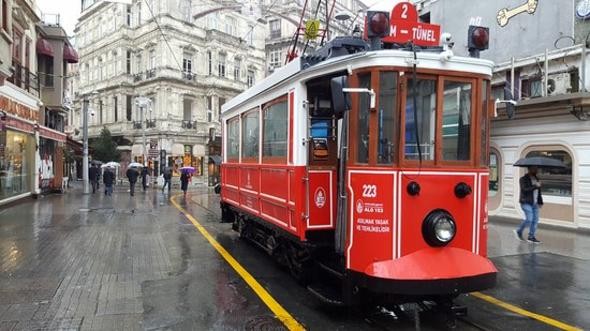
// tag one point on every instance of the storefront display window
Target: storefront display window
(555, 181)
(494, 174)
(15, 163)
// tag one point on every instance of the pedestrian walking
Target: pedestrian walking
(531, 201)
(93, 177)
(167, 178)
(144, 178)
(108, 179)
(132, 175)
(184, 179)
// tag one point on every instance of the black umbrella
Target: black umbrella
(539, 161)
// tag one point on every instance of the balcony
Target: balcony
(188, 75)
(189, 125)
(150, 73)
(25, 79)
(150, 124)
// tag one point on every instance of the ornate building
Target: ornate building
(182, 58)
(283, 16)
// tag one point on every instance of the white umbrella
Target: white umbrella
(135, 165)
(111, 164)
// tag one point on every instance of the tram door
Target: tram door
(322, 149)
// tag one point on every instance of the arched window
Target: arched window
(495, 172)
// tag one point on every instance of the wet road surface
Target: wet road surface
(91, 262)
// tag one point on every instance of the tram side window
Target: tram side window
(386, 120)
(275, 130)
(250, 135)
(426, 116)
(363, 121)
(456, 128)
(233, 139)
(484, 122)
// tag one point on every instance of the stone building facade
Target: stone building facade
(283, 18)
(186, 57)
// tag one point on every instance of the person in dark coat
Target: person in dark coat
(184, 179)
(531, 201)
(167, 179)
(144, 175)
(93, 177)
(108, 178)
(132, 175)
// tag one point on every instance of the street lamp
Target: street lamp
(143, 102)
(85, 142)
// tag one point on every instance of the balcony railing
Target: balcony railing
(150, 73)
(189, 125)
(137, 125)
(188, 75)
(25, 79)
(150, 123)
(137, 77)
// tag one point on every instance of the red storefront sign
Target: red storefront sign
(405, 27)
(51, 134)
(12, 107)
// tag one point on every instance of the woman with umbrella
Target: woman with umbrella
(531, 199)
(185, 178)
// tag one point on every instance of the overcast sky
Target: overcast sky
(69, 10)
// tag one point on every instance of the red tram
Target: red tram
(364, 171)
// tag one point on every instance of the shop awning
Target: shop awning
(44, 47)
(70, 54)
(216, 159)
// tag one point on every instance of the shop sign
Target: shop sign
(20, 110)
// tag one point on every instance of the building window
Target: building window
(139, 13)
(456, 128)
(138, 63)
(129, 108)
(237, 66)
(100, 104)
(250, 135)
(233, 139)
(275, 29)
(17, 45)
(275, 124)
(220, 103)
(48, 71)
(275, 58)
(187, 105)
(230, 25)
(250, 78)
(152, 59)
(210, 63)
(185, 9)
(187, 62)
(128, 62)
(250, 35)
(426, 103)
(5, 15)
(221, 65)
(209, 109)
(555, 181)
(116, 109)
(129, 16)
(494, 182)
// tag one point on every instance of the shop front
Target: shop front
(51, 157)
(17, 163)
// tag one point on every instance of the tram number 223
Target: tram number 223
(369, 191)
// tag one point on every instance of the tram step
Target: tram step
(331, 270)
(327, 294)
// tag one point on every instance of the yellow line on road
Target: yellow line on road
(282, 314)
(520, 311)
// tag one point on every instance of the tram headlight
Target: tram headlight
(439, 228)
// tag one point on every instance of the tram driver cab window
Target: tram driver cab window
(322, 132)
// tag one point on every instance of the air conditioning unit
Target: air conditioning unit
(559, 84)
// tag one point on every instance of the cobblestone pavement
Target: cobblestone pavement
(90, 262)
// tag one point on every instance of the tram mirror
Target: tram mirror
(340, 99)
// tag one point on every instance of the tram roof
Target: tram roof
(294, 70)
